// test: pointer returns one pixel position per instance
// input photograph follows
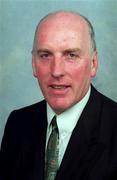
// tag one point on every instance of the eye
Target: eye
(44, 55)
(72, 55)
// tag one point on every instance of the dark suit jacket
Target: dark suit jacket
(91, 153)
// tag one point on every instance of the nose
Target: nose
(58, 67)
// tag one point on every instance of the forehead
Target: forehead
(62, 29)
(61, 21)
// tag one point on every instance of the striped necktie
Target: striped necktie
(52, 152)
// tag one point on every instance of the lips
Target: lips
(59, 87)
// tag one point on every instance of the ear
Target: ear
(34, 67)
(94, 64)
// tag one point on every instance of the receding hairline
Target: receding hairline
(61, 12)
(53, 14)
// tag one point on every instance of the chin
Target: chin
(59, 106)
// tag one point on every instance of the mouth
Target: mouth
(59, 87)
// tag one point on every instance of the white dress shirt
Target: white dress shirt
(66, 123)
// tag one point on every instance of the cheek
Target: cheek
(81, 73)
(41, 71)
(43, 78)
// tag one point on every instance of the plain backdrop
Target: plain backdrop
(18, 19)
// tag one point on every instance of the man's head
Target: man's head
(64, 58)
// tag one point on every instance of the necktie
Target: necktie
(52, 152)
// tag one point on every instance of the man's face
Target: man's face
(63, 63)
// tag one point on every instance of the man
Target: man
(64, 60)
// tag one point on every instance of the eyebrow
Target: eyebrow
(72, 50)
(66, 50)
(43, 50)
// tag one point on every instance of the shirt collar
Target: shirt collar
(68, 119)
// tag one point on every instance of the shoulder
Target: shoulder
(25, 121)
(102, 106)
(103, 100)
(26, 116)
(30, 110)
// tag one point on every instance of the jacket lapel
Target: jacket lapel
(40, 138)
(84, 147)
